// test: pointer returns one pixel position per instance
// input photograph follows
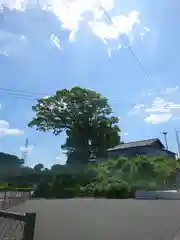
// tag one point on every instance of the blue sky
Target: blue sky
(43, 49)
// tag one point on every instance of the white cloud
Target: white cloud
(136, 109)
(56, 42)
(170, 90)
(61, 159)
(126, 134)
(70, 13)
(6, 130)
(159, 111)
(160, 105)
(158, 118)
(46, 97)
(138, 106)
(11, 43)
(123, 25)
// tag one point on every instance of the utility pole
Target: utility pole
(177, 142)
(165, 139)
(25, 152)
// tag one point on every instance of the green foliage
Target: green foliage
(85, 116)
(118, 178)
(10, 188)
(10, 160)
(2, 186)
(43, 190)
(38, 168)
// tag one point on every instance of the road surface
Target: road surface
(90, 219)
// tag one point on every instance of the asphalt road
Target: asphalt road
(90, 219)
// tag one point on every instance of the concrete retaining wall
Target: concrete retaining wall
(169, 194)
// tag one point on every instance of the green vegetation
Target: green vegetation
(9, 166)
(10, 188)
(118, 178)
(2, 186)
(86, 118)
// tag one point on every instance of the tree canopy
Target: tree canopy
(86, 118)
(8, 159)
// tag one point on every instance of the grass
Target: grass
(6, 187)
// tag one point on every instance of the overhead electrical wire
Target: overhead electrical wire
(17, 96)
(31, 96)
(129, 47)
(21, 91)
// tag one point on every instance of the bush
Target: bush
(107, 190)
(66, 193)
(119, 190)
(100, 191)
(119, 178)
(111, 189)
(42, 190)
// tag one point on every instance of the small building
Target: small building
(150, 147)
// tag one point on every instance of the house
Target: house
(150, 147)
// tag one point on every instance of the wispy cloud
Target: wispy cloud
(6, 130)
(168, 91)
(46, 97)
(161, 105)
(71, 13)
(126, 134)
(11, 43)
(136, 109)
(160, 110)
(158, 118)
(56, 42)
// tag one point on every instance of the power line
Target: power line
(21, 96)
(17, 96)
(129, 48)
(21, 91)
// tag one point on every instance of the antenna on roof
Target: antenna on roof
(165, 139)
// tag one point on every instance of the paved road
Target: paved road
(90, 219)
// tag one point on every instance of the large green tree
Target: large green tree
(85, 116)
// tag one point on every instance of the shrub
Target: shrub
(100, 191)
(108, 190)
(42, 190)
(66, 193)
(119, 190)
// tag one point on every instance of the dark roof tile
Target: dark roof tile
(136, 144)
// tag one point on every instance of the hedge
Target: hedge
(116, 190)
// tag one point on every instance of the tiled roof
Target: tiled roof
(136, 144)
(165, 150)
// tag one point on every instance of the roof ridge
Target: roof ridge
(136, 144)
(145, 140)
